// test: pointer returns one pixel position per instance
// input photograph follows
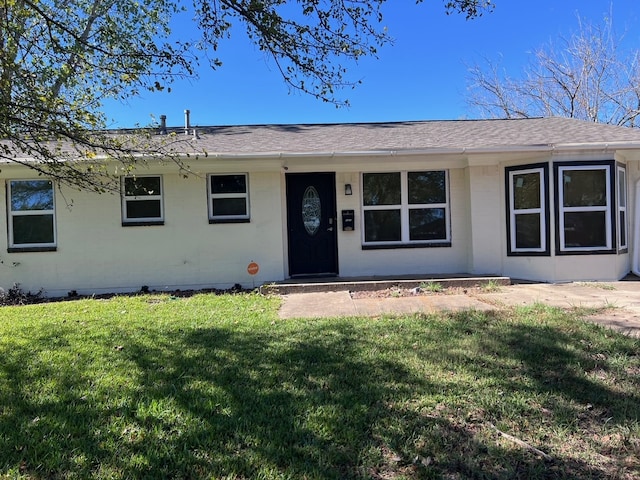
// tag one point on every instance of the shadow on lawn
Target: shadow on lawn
(212, 402)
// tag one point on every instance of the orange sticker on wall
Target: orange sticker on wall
(253, 268)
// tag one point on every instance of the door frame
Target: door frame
(333, 216)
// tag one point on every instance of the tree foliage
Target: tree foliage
(61, 59)
(587, 75)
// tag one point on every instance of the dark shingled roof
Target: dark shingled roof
(424, 137)
(407, 136)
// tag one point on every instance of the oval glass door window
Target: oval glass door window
(311, 210)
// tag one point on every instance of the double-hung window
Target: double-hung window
(527, 210)
(405, 208)
(31, 207)
(142, 200)
(228, 198)
(586, 220)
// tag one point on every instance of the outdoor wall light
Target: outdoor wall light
(347, 189)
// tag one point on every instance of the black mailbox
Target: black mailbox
(347, 220)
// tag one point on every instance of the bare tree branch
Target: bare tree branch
(585, 75)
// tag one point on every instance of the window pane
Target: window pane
(427, 224)
(528, 234)
(31, 195)
(143, 209)
(623, 229)
(584, 188)
(585, 229)
(381, 188)
(229, 206)
(622, 188)
(228, 183)
(426, 187)
(382, 226)
(141, 186)
(526, 191)
(31, 229)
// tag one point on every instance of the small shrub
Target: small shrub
(491, 287)
(16, 296)
(433, 287)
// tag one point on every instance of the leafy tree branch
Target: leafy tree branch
(60, 60)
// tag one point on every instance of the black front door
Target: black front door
(311, 222)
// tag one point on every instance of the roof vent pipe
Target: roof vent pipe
(187, 122)
(163, 124)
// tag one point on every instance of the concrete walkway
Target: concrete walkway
(620, 300)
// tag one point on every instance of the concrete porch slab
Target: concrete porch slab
(335, 284)
(340, 304)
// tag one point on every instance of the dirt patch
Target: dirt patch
(399, 291)
(17, 297)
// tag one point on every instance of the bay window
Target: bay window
(528, 210)
(585, 209)
(622, 208)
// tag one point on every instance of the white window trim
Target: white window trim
(621, 204)
(19, 213)
(133, 198)
(513, 212)
(405, 207)
(596, 208)
(213, 196)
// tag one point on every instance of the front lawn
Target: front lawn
(208, 386)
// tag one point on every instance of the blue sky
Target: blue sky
(422, 76)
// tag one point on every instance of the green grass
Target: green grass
(218, 387)
(432, 287)
(491, 287)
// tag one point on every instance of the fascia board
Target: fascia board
(610, 147)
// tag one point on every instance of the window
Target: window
(408, 208)
(31, 215)
(622, 208)
(142, 200)
(527, 210)
(228, 198)
(584, 203)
